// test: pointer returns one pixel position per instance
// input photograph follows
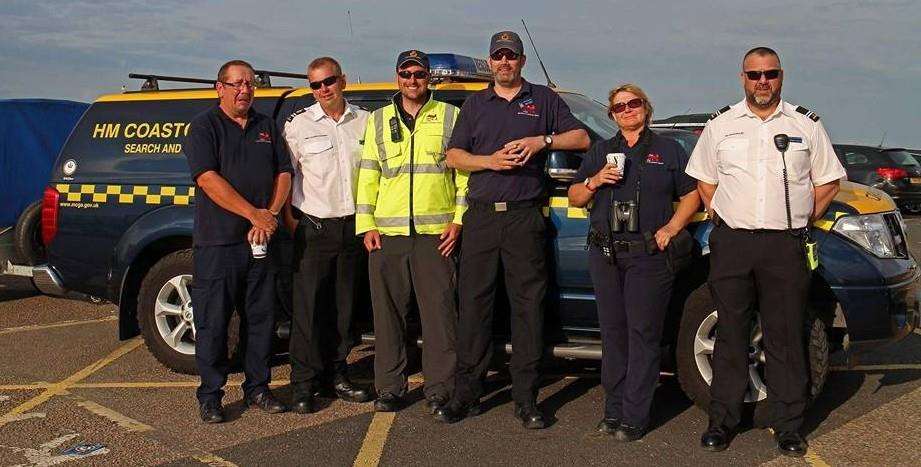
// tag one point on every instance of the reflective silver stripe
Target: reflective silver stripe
(450, 113)
(370, 165)
(392, 221)
(460, 200)
(434, 218)
(381, 145)
(364, 208)
(428, 169)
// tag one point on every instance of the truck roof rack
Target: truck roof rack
(152, 82)
(263, 79)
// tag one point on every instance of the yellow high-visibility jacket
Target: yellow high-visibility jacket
(394, 175)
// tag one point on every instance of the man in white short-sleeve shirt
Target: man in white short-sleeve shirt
(330, 263)
(762, 200)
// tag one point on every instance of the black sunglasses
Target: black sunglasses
(756, 75)
(328, 81)
(500, 54)
(419, 74)
(632, 103)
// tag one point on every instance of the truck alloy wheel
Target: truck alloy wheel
(694, 353)
(166, 316)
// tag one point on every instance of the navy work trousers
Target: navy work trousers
(330, 287)
(765, 271)
(227, 278)
(512, 241)
(632, 295)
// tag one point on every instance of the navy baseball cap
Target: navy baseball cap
(506, 40)
(415, 56)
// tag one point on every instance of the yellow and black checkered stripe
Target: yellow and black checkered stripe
(125, 194)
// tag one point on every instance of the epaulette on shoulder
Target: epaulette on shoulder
(812, 115)
(720, 111)
(295, 114)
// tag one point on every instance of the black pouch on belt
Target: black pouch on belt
(680, 252)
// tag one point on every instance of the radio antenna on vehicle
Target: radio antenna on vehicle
(348, 15)
(542, 67)
(882, 140)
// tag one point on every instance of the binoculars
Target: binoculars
(624, 217)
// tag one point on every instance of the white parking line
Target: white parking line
(62, 324)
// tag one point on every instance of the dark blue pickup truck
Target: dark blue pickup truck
(117, 222)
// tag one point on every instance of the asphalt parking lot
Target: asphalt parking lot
(66, 382)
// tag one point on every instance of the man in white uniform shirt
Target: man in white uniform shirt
(758, 246)
(330, 272)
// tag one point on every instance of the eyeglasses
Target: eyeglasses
(756, 75)
(239, 85)
(328, 81)
(632, 103)
(420, 74)
(504, 53)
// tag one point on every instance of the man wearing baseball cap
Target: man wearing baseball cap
(502, 137)
(409, 209)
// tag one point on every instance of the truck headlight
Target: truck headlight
(871, 231)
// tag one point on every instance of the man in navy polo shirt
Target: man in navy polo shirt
(243, 175)
(502, 137)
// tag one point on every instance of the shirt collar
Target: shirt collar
(317, 113)
(526, 89)
(782, 108)
(251, 115)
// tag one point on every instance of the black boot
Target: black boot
(348, 391)
(790, 443)
(716, 438)
(454, 412)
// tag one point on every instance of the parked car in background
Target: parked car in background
(893, 170)
(916, 153)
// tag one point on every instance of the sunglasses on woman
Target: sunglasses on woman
(406, 74)
(632, 103)
(328, 81)
(756, 75)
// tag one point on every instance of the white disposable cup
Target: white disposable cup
(259, 250)
(617, 159)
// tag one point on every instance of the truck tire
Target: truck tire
(27, 236)
(165, 314)
(695, 347)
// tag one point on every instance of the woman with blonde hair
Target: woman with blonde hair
(633, 179)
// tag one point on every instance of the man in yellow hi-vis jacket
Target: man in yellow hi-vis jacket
(409, 207)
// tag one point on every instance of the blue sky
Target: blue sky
(857, 63)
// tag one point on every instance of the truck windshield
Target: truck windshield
(593, 114)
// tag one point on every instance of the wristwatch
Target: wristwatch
(587, 180)
(548, 140)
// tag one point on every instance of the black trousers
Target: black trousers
(632, 295)
(764, 271)
(330, 286)
(512, 241)
(403, 267)
(226, 278)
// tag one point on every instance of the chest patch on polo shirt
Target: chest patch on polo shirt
(796, 139)
(528, 108)
(653, 158)
(264, 137)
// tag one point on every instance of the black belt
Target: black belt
(636, 246)
(502, 206)
(609, 247)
